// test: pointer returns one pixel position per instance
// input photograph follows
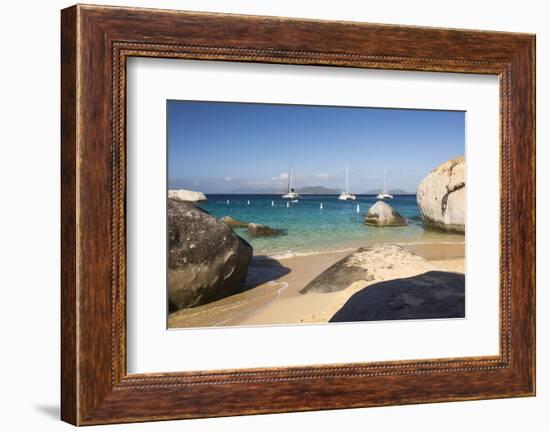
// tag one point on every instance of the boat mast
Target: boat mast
(347, 179)
(290, 177)
(385, 181)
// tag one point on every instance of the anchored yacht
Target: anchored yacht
(385, 194)
(347, 196)
(291, 194)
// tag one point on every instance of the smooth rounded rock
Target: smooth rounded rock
(256, 229)
(363, 266)
(230, 221)
(382, 214)
(186, 196)
(207, 261)
(441, 197)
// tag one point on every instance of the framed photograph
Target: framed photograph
(329, 214)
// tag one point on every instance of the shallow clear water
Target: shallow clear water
(337, 226)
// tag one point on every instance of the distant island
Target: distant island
(306, 190)
(249, 191)
(391, 191)
(318, 190)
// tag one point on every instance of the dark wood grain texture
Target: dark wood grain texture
(95, 42)
(69, 331)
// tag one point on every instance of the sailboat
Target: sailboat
(384, 194)
(347, 196)
(291, 194)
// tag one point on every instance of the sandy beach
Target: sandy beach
(272, 293)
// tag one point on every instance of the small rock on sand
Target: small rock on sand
(363, 265)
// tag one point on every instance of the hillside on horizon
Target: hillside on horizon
(318, 190)
(307, 190)
(391, 191)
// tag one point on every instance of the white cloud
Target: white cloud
(281, 176)
(322, 175)
(229, 178)
(256, 182)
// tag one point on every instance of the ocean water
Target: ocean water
(310, 229)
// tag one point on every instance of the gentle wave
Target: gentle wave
(292, 254)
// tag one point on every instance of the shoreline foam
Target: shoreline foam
(291, 254)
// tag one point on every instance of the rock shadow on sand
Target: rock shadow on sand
(432, 295)
(264, 269)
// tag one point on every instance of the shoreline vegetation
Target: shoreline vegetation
(216, 278)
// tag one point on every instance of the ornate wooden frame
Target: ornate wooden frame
(95, 43)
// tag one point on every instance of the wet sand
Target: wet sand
(271, 296)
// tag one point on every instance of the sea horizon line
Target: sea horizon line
(303, 194)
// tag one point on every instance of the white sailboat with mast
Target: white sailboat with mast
(385, 194)
(346, 195)
(291, 193)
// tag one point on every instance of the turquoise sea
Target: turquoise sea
(310, 229)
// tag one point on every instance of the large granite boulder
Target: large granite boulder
(186, 196)
(256, 229)
(364, 265)
(441, 197)
(382, 214)
(206, 259)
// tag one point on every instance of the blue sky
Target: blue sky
(219, 147)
